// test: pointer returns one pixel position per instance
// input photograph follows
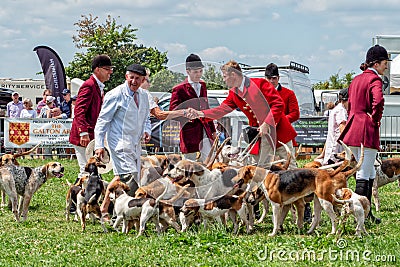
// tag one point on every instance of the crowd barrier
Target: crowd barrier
(18, 134)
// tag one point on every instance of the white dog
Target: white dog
(355, 204)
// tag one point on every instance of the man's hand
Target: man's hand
(99, 153)
(85, 140)
(146, 137)
(194, 114)
(264, 129)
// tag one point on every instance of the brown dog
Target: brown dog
(286, 187)
(388, 171)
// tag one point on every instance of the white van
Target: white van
(295, 78)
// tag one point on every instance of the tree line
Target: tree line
(119, 42)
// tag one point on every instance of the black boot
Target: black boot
(307, 213)
(369, 196)
(362, 187)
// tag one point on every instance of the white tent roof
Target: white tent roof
(395, 72)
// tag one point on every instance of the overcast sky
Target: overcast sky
(329, 36)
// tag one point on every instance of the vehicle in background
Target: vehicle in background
(312, 127)
(27, 88)
(295, 78)
(165, 134)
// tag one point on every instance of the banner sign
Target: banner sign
(311, 131)
(25, 133)
(164, 133)
(53, 70)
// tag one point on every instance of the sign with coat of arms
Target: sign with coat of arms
(20, 133)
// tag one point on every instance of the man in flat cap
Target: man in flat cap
(87, 108)
(196, 135)
(124, 116)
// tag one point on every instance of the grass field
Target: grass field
(47, 239)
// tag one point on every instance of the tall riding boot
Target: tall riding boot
(362, 187)
(369, 196)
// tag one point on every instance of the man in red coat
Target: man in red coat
(87, 108)
(261, 104)
(196, 135)
(291, 108)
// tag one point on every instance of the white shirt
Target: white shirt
(28, 113)
(337, 115)
(196, 86)
(100, 84)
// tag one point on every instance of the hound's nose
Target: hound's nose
(62, 169)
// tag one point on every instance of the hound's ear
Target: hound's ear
(346, 193)
(45, 168)
(125, 187)
(100, 165)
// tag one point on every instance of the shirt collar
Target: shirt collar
(241, 87)
(374, 70)
(101, 85)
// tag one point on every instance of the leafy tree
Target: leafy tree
(213, 78)
(115, 40)
(165, 80)
(335, 82)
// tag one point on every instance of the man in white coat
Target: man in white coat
(123, 117)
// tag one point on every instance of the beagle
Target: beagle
(386, 172)
(127, 209)
(215, 209)
(11, 159)
(208, 183)
(88, 198)
(25, 181)
(355, 204)
(286, 187)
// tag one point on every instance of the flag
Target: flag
(53, 70)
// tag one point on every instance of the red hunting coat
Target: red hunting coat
(87, 109)
(291, 110)
(191, 134)
(365, 111)
(260, 102)
(289, 98)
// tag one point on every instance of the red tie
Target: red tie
(135, 97)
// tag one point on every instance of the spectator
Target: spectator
(195, 135)
(65, 106)
(336, 123)
(329, 107)
(87, 109)
(125, 127)
(14, 107)
(365, 109)
(28, 111)
(73, 103)
(42, 103)
(50, 110)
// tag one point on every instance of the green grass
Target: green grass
(47, 239)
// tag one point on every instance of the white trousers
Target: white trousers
(367, 170)
(80, 153)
